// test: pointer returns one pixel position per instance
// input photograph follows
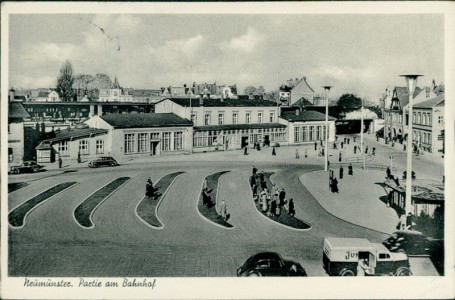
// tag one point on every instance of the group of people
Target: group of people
(271, 204)
(333, 181)
(149, 189)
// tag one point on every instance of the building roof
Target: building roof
(16, 110)
(145, 120)
(304, 116)
(403, 95)
(116, 85)
(43, 94)
(302, 102)
(436, 101)
(72, 134)
(195, 102)
(240, 126)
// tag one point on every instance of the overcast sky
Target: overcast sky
(362, 54)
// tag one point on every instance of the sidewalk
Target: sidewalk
(358, 198)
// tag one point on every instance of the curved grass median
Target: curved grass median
(284, 218)
(15, 186)
(209, 210)
(83, 213)
(17, 216)
(147, 208)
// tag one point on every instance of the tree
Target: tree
(260, 90)
(81, 84)
(349, 102)
(250, 90)
(65, 81)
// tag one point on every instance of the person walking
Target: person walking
(79, 157)
(349, 140)
(350, 171)
(374, 151)
(149, 188)
(341, 172)
(282, 196)
(291, 209)
(223, 210)
(355, 149)
(315, 146)
(334, 185)
(339, 156)
(297, 156)
(273, 151)
(60, 162)
(354, 138)
(342, 143)
(388, 172)
(245, 150)
(366, 150)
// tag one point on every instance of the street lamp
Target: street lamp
(411, 82)
(327, 90)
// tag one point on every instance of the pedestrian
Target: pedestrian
(306, 153)
(322, 151)
(273, 208)
(404, 147)
(350, 171)
(355, 149)
(341, 172)
(334, 185)
(397, 181)
(258, 146)
(388, 172)
(60, 162)
(297, 156)
(328, 164)
(273, 151)
(277, 211)
(261, 176)
(245, 150)
(206, 199)
(342, 143)
(354, 138)
(255, 191)
(263, 185)
(282, 196)
(291, 210)
(334, 145)
(377, 137)
(252, 180)
(336, 138)
(349, 140)
(339, 156)
(315, 146)
(330, 173)
(366, 150)
(321, 143)
(254, 171)
(79, 157)
(330, 183)
(223, 210)
(149, 188)
(263, 197)
(374, 151)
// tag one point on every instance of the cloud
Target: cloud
(246, 42)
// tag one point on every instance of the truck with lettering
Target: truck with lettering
(358, 256)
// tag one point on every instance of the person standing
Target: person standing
(245, 150)
(253, 180)
(291, 210)
(60, 162)
(282, 196)
(342, 143)
(349, 139)
(306, 154)
(388, 172)
(341, 172)
(374, 151)
(297, 156)
(334, 185)
(339, 156)
(354, 138)
(223, 210)
(350, 171)
(79, 157)
(366, 150)
(261, 176)
(254, 171)
(315, 146)
(355, 149)
(255, 191)
(273, 151)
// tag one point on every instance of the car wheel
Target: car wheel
(403, 271)
(347, 272)
(253, 275)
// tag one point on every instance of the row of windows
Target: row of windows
(421, 118)
(211, 137)
(235, 118)
(170, 141)
(63, 147)
(423, 137)
(309, 133)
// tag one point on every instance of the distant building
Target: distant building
(16, 116)
(115, 94)
(294, 90)
(146, 95)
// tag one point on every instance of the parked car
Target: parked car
(26, 167)
(270, 264)
(380, 133)
(103, 162)
(413, 243)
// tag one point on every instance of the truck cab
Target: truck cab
(357, 256)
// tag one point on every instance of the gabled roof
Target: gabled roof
(16, 110)
(195, 102)
(436, 101)
(303, 116)
(302, 102)
(72, 134)
(403, 95)
(145, 120)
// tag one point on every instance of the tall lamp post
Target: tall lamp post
(327, 90)
(361, 135)
(411, 82)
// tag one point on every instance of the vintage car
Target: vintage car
(270, 264)
(26, 167)
(414, 243)
(104, 161)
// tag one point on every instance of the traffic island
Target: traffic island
(207, 203)
(148, 207)
(283, 218)
(15, 186)
(83, 213)
(17, 216)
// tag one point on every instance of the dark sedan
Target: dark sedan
(104, 161)
(414, 243)
(26, 167)
(270, 264)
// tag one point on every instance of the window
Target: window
(207, 119)
(296, 134)
(83, 147)
(318, 133)
(154, 136)
(178, 140)
(99, 146)
(311, 133)
(142, 142)
(248, 118)
(304, 133)
(271, 117)
(220, 119)
(235, 118)
(129, 143)
(440, 120)
(193, 118)
(260, 117)
(166, 143)
(62, 148)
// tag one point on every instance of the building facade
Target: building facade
(142, 135)
(115, 94)
(16, 116)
